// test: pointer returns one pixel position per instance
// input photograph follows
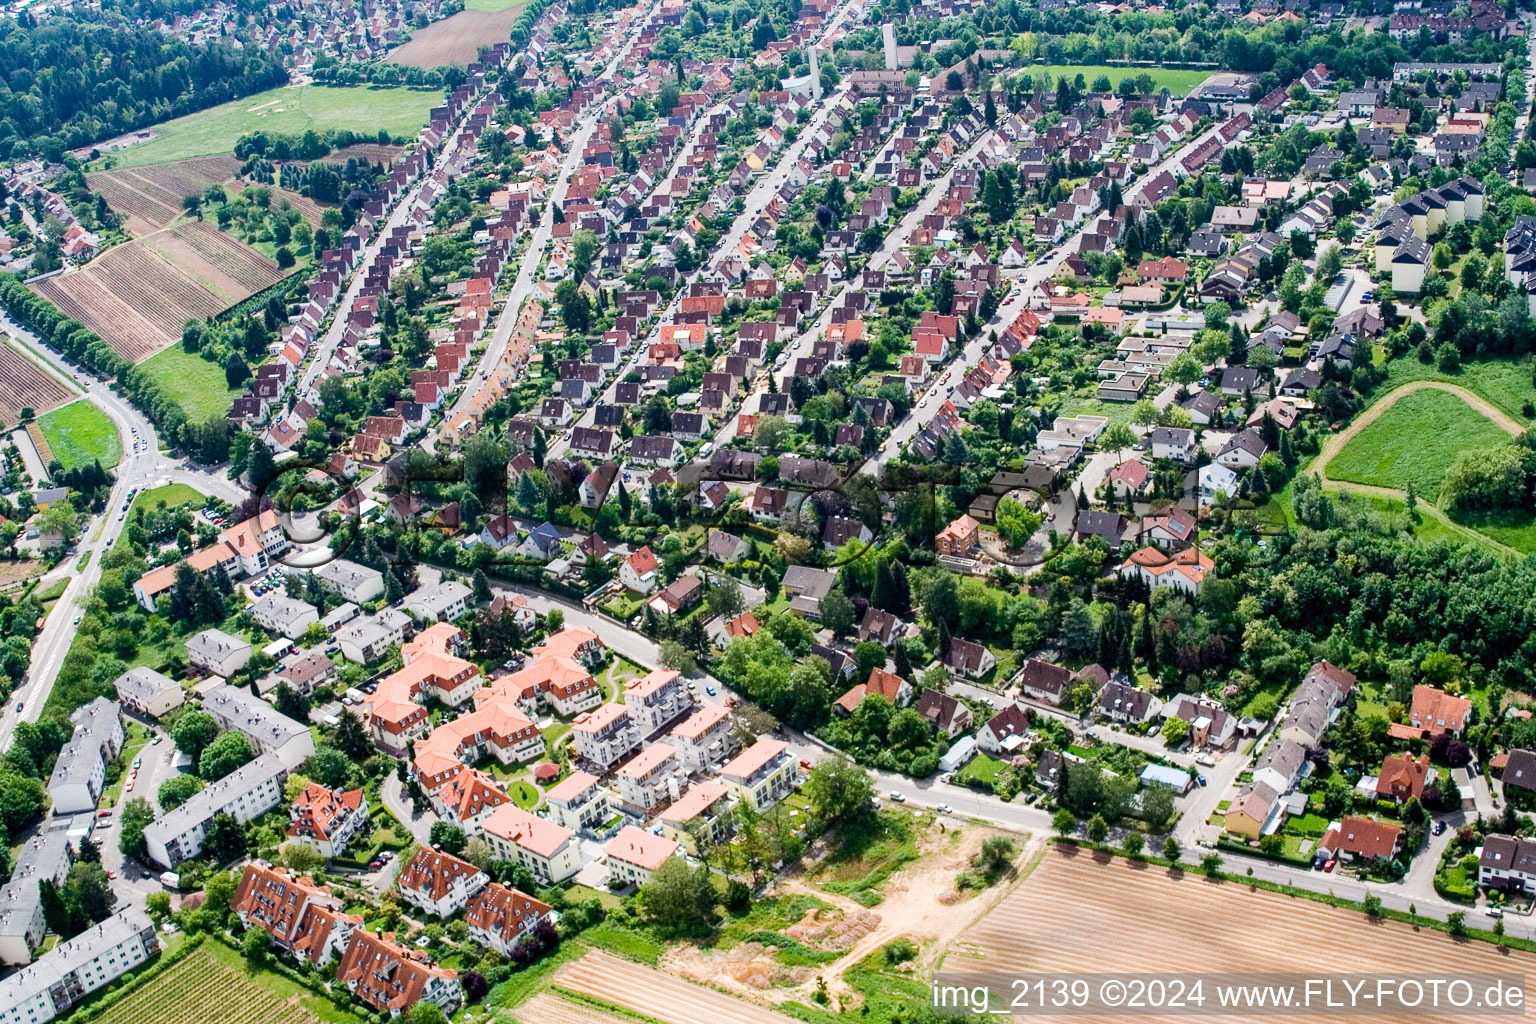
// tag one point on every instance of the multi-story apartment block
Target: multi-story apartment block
(77, 967)
(605, 737)
(250, 790)
(650, 777)
(543, 847)
(705, 739)
(761, 775)
(269, 730)
(80, 771)
(578, 802)
(655, 700)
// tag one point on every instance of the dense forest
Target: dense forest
(87, 76)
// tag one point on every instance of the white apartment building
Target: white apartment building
(77, 967)
(217, 653)
(578, 802)
(655, 700)
(705, 739)
(605, 737)
(80, 771)
(248, 791)
(356, 583)
(442, 603)
(269, 730)
(548, 850)
(761, 775)
(284, 616)
(650, 777)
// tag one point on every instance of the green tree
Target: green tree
(177, 790)
(136, 816)
(226, 753)
(1064, 822)
(193, 732)
(1015, 523)
(449, 837)
(841, 794)
(256, 947)
(679, 896)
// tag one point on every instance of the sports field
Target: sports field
(288, 110)
(1415, 440)
(1084, 912)
(196, 384)
(1178, 81)
(79, 433)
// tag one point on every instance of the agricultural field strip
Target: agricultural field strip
(1048, 924)
(639, 988)
(454, 40)
(139, 281)
(549, 1008)
(200, 990)
(24, 383)
(154, 194)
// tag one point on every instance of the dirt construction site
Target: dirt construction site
(919, 902)
(1079, 911)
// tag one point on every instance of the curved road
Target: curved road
(141, 469)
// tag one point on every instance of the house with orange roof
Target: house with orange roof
(1434, 711)
(1185, 570)
(439, 883)
(880, 682)
(638, 571)
(302, 917)
(635, 854)
(704, 739)
(466, 797)
(383, 974)
(547, 849)
(604, 737)
(257, 541)
(159, 581)
(574, 642)
(651, 777)
(578, 802)
(1356, 838)
(502, 919)
(700, 812)
(327, 819)
(557, 680)
(959, 539)
(761, 775)
(1403, 776)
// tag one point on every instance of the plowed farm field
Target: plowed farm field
(456, 40)
(23, 383)
(138, 295)
(640, 989)
(1079, 913)
(149, 198)
(549, 1008)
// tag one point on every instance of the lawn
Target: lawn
(79, 433)
(1177, 81)
(170, 496)
(1504, 382)
(493, 5)
(1515, 529)
(196, 384)
(1088, 404)
(288, 110)
(982, 769)
(1416, 440)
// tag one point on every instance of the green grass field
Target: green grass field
(493, 5)
(78, 433)
(1504, 382)
(194, 382)
(1177, 81)
(289, 110)
(1415, 440)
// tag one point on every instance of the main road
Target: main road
(138, 470)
